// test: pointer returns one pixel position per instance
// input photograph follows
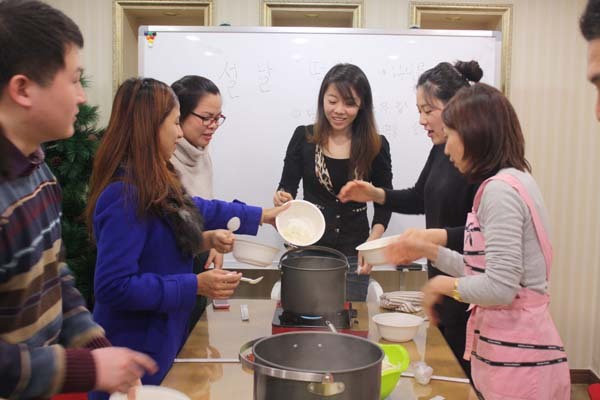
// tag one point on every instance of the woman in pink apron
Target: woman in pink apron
(512, 342)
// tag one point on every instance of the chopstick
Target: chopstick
(207, 360)
(439, 378)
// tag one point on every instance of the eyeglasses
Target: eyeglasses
(207, 121)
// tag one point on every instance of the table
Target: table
(220, 334)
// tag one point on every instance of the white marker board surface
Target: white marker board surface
(269, 79)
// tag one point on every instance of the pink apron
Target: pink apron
(515, 350)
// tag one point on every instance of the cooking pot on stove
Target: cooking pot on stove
(313, 280)
(314, 365)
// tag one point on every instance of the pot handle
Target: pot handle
(295, 249)
(321, 384)
(326, 389)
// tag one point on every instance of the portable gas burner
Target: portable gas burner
(286, 321)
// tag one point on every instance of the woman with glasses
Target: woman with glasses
(200, 103)
(342, 145)
(200, 107)
(148, 229)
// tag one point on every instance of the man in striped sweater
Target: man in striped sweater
(48, 340)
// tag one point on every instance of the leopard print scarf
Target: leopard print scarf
(322, 172)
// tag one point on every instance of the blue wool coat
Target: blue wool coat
(144, 286)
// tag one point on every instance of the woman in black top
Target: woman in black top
(441, 192)
(342, 145)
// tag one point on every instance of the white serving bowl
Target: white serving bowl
(397, 327)
(149, 392)
(373, 252)
(302, 224)
(248, 252)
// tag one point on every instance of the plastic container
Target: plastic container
(248, 252)
(302, 224)
(373, 252)
(398, 356)
(397, 327)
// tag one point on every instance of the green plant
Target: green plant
(71, 161)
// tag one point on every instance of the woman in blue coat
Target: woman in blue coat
(147, 229)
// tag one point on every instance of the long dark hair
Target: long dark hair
(190, 90)
(366, 143)
(129, 151)
(489, 129)
(444, 80)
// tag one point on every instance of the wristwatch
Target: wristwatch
(455, 295)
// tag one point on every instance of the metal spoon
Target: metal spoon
(331, 326)
(252, 281)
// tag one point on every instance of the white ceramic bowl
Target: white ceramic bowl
(149, 392)
(373, 252)
(302, 224)
(397, 327)
(248, 252)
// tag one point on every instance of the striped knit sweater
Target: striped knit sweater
(46, 332)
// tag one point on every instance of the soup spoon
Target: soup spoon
(252, 281)
(233, 224)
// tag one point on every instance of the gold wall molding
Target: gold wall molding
(124, 8)
(270, 7)
(503, 11)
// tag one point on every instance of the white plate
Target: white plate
(149, 392)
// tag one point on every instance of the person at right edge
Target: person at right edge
(441, 192)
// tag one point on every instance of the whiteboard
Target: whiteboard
(269, 80)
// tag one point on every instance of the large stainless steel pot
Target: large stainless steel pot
(314, 365)
(313, 280)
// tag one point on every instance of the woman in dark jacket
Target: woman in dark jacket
(342, 145)
(441, 192)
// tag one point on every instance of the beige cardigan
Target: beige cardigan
(194, 166)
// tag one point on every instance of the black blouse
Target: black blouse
(338, 171)
(346, 224)
(442, 193)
